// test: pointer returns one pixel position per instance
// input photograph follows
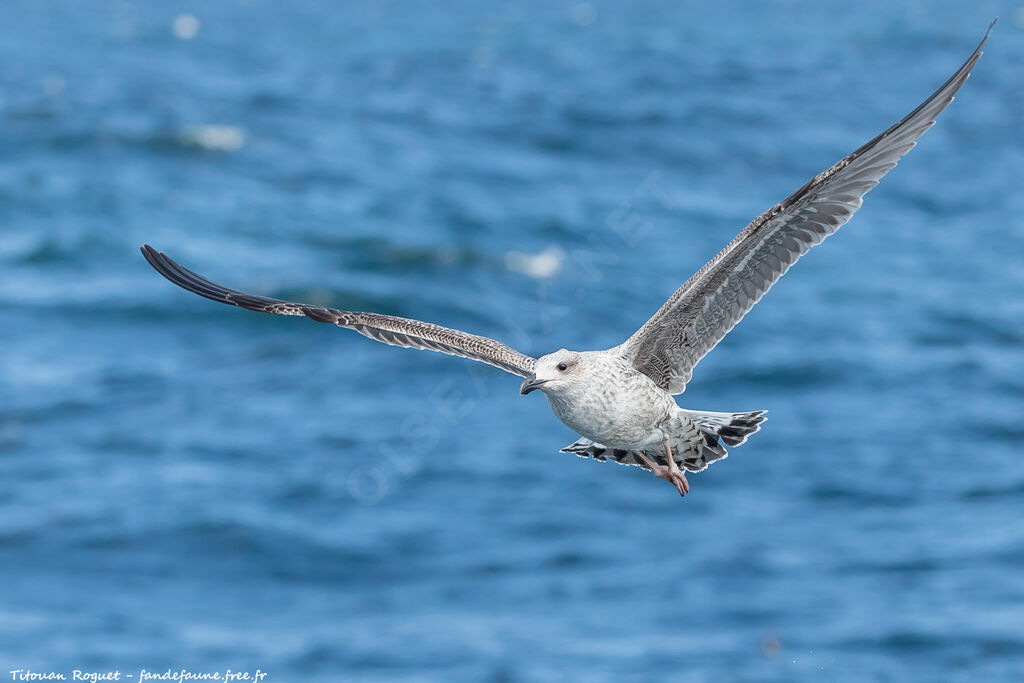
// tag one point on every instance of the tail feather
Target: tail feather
(716, 429)
(733, 428)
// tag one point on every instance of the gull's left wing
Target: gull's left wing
(414, 334)
(701, 312)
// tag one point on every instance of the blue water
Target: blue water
(186, 485)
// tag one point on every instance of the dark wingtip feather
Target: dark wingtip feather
(197, 284)
(148, 253)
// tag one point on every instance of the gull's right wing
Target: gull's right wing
(701, 312)
(413, 334)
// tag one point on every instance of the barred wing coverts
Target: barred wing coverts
(701, 312)
(406, 332)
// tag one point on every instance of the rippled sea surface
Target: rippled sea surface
(187, 485)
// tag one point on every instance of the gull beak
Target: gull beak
(531, 383)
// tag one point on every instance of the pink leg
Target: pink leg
(670, 473)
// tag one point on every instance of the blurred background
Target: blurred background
(186, 485)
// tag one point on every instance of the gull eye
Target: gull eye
(562, 367)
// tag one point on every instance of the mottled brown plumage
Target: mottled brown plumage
(701, 312)
(389, 329)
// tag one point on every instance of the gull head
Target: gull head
(554, 372)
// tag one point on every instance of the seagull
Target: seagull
(621, 400)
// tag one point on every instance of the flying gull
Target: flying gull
(620, 400)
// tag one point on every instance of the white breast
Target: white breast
(613, 404)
